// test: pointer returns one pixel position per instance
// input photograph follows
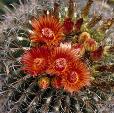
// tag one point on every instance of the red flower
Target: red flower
(61, 58)
(68, 25)
(76, 77)
(47, 29)
(35, 60)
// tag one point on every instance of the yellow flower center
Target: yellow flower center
(60, 64)
(37, 62)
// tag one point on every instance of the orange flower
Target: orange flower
(61, 58)
(35, 60)
(47, 29)
(76, 77)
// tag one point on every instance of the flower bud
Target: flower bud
(79, 48)
(97, 54)
(68, 25)
(83, 37)
(44, 82)
(78, 24)
(90, 44)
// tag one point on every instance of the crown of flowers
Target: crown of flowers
(58, 50)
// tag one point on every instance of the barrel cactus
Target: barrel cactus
(57, 56)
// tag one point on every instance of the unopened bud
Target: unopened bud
(43, 82)
(90, 45)
(83, 37)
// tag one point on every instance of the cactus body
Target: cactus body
(23, 93)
